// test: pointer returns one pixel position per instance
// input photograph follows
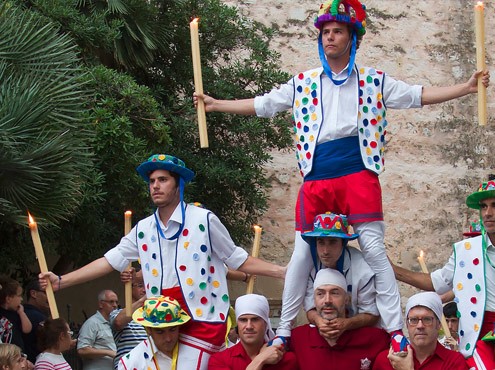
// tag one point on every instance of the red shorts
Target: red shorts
(213, 333)
(358, 196)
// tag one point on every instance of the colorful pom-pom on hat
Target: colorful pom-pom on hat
(340, 11)
(160, 312)
(164, 162)
(485, 190)
(330, 225)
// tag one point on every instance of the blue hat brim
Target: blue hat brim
(144, 170)
(324, 234)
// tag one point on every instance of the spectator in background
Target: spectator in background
(450, 313)
(11, 357)
(13, 319)
(95, 343)
(55, 337)
(127, 334)
(37, 311)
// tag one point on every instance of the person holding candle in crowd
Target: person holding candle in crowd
(470, 273)
(182, 248)
(328, 242)
(450, 314)
(13, 320)
(423, 315)
(339, 112)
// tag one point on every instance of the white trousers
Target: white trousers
(371, 236)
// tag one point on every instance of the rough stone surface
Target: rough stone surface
(435, 156)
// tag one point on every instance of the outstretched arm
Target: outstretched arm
(434, 95)
(256, 266)
(242, 106)
(417, 279)
(91, 271)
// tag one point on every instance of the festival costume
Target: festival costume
(96, 333)
(340, 126)
(185, 260)
(236, 358)
(127, 338)
(441, 359)
(143, 358)
(354, 350)
(50, 361)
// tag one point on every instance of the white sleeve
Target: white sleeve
(125, 252)
(400, 95)
(442, 278)
(277, 100)
(223, 245)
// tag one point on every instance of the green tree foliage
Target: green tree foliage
(139, 84)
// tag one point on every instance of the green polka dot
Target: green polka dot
(202, 286)
(212, 309)
(306, 118)
(305, 101)
(209, 258)
(468, 346)
(141, 235)
(365, 109)
(477, 287)
(369, 79)
(314, 86)
(201, 227)
(225, 298)
(154, 290)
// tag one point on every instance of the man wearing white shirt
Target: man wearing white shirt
(470, 273)
(339, 112)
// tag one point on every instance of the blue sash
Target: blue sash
(336, 158)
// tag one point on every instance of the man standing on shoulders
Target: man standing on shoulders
(183, 249)
(95, 343)
(127, 334)
(423, 315)
(252, 353)
(354, 349)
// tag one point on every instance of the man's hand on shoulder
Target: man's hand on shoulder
(268, 356)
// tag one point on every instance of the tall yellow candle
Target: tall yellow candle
(254, 253)
(198, 82)
(40, 255)
(422, 263)
(479, 17)
(128, 285)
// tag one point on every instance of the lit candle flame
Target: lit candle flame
(31, 219)
(128, 213)
(195, 20)
(421, 253)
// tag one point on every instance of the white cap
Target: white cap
(329, 277)
(429, 300)
(255, 304)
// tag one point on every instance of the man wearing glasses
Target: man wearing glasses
(423, 314)
(95, 343)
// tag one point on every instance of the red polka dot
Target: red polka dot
(373, 144)
(360, 101)
(315, 101)
(373, 121)
(222, 316)
(299, 125)
(298, 146)
(204, 300)
(300, 76)
(473, 300)
(379, 105)
(361, 83)
(308, 155)
(182, 268)
(212, 269)
(145, 247)
(168, 317)
(476, 261)
(185, 232)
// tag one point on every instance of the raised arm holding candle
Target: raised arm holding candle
(479, 17)
(183, 249)
(198, 82)
(40, 255)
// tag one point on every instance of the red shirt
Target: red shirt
(236, 358)
(354, 350)
(441, 359)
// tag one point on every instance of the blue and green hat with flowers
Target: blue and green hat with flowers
(160, 312)
(330, 225)
(485, 190)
